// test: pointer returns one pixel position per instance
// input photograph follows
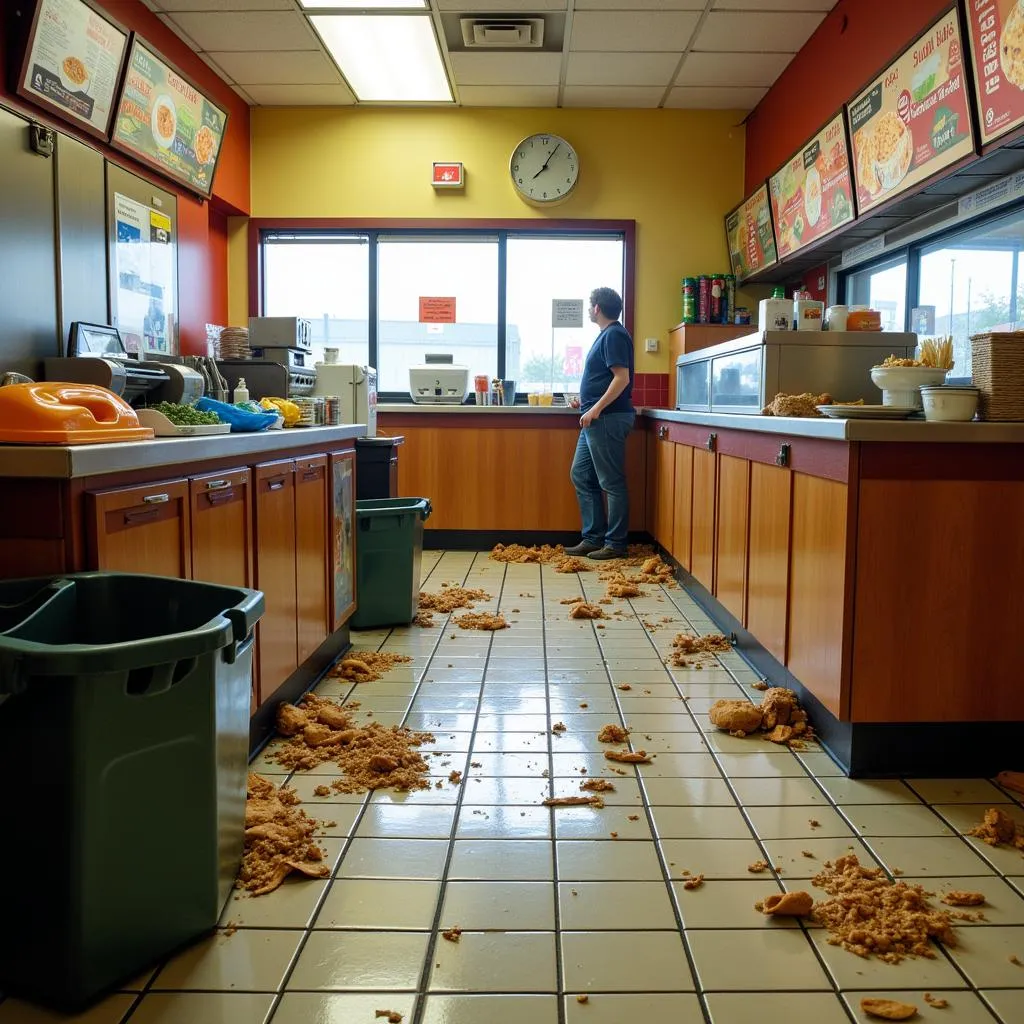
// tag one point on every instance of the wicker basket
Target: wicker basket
(997, 367)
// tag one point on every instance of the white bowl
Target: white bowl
(900, 384)
(949, 405)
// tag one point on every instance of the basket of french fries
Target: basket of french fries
(997, 368)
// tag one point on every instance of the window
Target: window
(325, 280)
(363, 290)
(883, 288)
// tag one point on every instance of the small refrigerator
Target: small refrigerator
(356, 386)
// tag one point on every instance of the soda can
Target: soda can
(717, 298)
(689, 300)
(730, 290)
(703, 299)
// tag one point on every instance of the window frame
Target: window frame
(261, 228)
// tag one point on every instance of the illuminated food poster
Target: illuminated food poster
(811, 195)
(914, 119)
(748, 232)
(996, 29)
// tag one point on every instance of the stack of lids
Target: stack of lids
(234, 343)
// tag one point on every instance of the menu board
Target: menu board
(166, 122)
(914, 119)
(73, 63)
(996, 29)
(811, 194)
(748, 233)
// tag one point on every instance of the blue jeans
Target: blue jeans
(599, 468)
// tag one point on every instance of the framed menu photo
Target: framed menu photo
(749, 235)
(812, 194)
(164, 121)
(996, 30)
(914, 119)
(73, 61)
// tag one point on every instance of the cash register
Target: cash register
(96, 355)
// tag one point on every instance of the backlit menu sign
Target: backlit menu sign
(749, 235)
(996, 30)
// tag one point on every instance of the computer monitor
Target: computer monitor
(95, 340)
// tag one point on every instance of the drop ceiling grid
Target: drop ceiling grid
(671, 53)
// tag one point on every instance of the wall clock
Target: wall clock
(544, 169)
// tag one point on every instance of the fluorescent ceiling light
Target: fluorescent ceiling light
(386, 56)
(364, 5)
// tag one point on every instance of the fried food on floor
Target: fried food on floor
(572, 600)
(628, 757)
(485, 621)
(367, 666)
(452, 934)
(570, 564)
(598, 786)
(612, 733)
(574, 801)
(619, 586)
(584, 610)
(686, 645)
(996, 828)
(935, 1002)
(888, 1009)
(448, 598)
(393, 1016)
(787, 904)
(694, 882)
(962, 898)
(758, 867)
(424, 619)
(559, 727)
(737, 717)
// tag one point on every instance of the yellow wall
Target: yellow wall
(675, 172)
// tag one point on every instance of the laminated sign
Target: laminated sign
(996, 29)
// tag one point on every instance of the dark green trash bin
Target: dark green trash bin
(124, 740)
(389, 549)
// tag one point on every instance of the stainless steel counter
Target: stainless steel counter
(68, 461)
(902, 431)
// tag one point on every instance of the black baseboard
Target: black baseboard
(262, 725)
(482, 540)
(877, 750)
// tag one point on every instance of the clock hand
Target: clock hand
(544, 166)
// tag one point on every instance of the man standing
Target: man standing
(599, 466)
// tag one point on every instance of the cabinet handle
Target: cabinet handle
(662, 431)
(217, 485)
(311, 474)
(220, 497)
(157, 499)
(139, 515)
(711, 442)
(782, 459)
(276, 484)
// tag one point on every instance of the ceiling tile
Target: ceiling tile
(286, 67)
(524, 68)
(217, 69)
(715, 98)
(245, 96)
(508, 95)
(209, 6)
(647, 5)
(300, 95)
(179, 32)
(611, 96)
(152, 5)
(621, 68)
(632, 30)
(773, 5)
(756, 33)
(258, 30)
(487, 6)
(732, 68)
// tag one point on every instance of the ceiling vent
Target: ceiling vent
(502, 34)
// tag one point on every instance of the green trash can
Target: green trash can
(124, 735)
(389, 549)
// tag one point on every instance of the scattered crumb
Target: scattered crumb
(583, 998)
(612, 733)
(598, 786)
(628, 756)
(888, 1009)
(814, 823)
(572, 600)
(367, 666)
(584, 610)
(393, 1016)
(623, 686)
(614, 835)
(450, 598)
(322, 791)
(486, 621)
(452, 934)
(758, 867)
(761, 684)
(574, 801)
(1014, 959)
(455, 778)
(634, 817)
(584, 704)
(475, 764)
(935, 1002)
(695, 882)
(786, 904)
(997, 828)
(962, 898)
(808, 854)
(229, 929)
(685, 644)
(559, 727)
(574, 892)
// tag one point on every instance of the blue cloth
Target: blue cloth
(612, 347)
(599, 468)
(241, 420)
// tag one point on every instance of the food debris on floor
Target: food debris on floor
(962, 898)
(371, 756)
(583, 998)
(758, 867)
(487, 621)
(786, 904)
(935, 1002)
(571, 564)
(612, 733)
(449, 598)
(584, 610)
(574, 801)
(814, 823)
(558, 728)
(392, 1016)
(888, 1009)
(572, 600)
(455, 778)
(1015, 960)
(997, 828)
(598, 786)
(694, 882)
(686, 645)
(618, 585)
(367, 666)
(278, 839)
(452, 934)
(871, 916)
(623, 686)
(628, 756)
(779, 717)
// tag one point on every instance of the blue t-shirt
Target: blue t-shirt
(612, 347)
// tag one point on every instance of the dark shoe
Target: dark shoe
(606, 554)
(583, 548)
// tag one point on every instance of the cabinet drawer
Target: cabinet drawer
(221, 507)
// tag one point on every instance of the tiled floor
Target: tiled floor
(551, 904)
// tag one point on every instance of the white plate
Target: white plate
(866, 412)
(162, 140)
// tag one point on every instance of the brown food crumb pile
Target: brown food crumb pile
(814, 823)
(572, 600)
(455, 778)
(786, 904)
(570, 563)
(997, 828)
(574, 801)
(796, 405)
(583, 610)
(623, 686)
(481, 620)
(452, 934)
(628, 757)
(693, 883)
(278, 839)
(322, 791)
(372, 756)
(559, 727)
(737, 717)
(761, 684)
(888, 1009)
(424, 619)
(450, 598)
(779, 716)
(583, 998)
(654, 570)
(367, 666)
(758, 867)
(612, 733)
(935, 1002)
(1015, 960)
(871, 916)
(393, 1016)
(598, 786)
(521, 553)
(962, 898)
(685, 645)
(618, 585)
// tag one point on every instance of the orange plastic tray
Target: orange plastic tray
(49, 412)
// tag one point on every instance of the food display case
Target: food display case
(742, 376)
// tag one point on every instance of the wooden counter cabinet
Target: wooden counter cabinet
(221, 518)
(312, 553)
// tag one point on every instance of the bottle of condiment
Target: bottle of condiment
(241, 391)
